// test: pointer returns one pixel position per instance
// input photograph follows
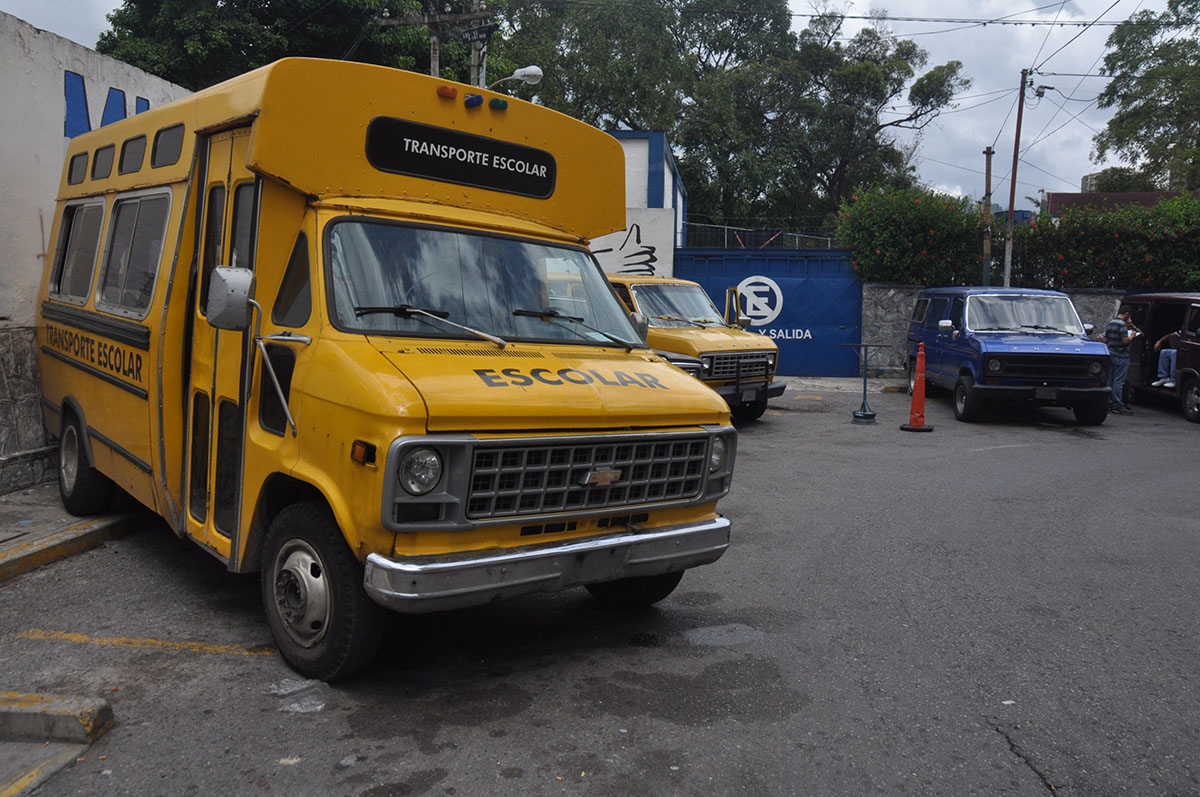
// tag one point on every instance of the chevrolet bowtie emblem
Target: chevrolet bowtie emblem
(600, 477)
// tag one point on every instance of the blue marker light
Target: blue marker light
(473, 100)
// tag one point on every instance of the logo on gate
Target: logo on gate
(761, 298)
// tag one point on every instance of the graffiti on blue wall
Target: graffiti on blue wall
(77, 119)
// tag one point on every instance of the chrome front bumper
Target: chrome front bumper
(418, 584)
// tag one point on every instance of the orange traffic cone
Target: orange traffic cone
(916, 416)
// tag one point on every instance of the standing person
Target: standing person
(1117, 335)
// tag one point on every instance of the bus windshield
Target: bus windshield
(393, 279)
(1022, 313)
(669, 305)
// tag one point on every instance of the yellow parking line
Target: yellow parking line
(810, 398)
(131, 642)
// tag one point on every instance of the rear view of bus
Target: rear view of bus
(377, 363)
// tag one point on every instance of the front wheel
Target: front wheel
(84, 490)
(750, 411)
(322, 620)
(636, 592)
(966, 403)
(1092, 413)
(1190, 400)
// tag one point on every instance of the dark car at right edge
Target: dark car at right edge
(1174, 320)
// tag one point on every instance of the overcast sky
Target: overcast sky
(1057, 129)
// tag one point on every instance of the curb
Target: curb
(36, 717)
(48, 548)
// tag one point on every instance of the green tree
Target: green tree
(197, 43)
(912, 236)
(1123, 179)
(1154, 59)
(844, 117)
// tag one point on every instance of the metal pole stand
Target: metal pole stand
(865, 414)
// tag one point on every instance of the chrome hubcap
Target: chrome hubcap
(68, 458)
(301, 593)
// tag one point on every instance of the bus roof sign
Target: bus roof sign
(435, 153)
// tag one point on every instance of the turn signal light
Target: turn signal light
(363, 453)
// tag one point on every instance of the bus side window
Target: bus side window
(77, 248)
(241, 243)
(214, 224)
(623, 293)
(134, 253)
(293, 305)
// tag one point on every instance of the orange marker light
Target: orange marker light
(449, 92)
(362, 453)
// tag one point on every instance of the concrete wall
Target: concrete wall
(655, 209)
(50, 88)
(887, 308)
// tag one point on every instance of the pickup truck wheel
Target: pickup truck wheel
(966, 403)
(324, 623)
(750, 411)
(636, 592)
(912, 376)
(1190, 400)
(1091, 414)
(84, 490)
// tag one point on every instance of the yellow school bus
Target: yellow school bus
(687, 328)
(338, 324)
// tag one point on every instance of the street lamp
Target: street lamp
(527, 74)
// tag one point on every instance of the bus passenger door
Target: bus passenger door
(218, 373)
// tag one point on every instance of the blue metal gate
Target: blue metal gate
(808, 301)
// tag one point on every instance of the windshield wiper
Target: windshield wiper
(991, 329)
(671, 318)
(408, 311)
(1044, 326)
(550, 314)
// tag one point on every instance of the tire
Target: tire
(1189, 400)
(84, 490)
(637, 592)
(912, 376)
(966, 403)
(750, 411)
(1092, 413)
(324, 623)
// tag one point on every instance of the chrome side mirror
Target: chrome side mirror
(743, 321)
(229, 292)
(945, 325)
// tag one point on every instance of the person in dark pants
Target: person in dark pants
(1117, 335)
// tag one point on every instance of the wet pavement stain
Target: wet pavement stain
(746, 689)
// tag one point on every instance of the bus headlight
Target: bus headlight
(706, 365)
(420, 470)
(716, 459)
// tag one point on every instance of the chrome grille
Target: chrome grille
(746, 365)
(536, 479)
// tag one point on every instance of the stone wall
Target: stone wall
(26, 456)
(887, 308)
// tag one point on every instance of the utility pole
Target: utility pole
(434, 21)
(987, 219)
(1012, 186)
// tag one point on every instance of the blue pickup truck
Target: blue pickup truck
(1015, 345)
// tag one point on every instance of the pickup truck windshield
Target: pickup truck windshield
(1030, 313)
(676, 305)
(380, 271)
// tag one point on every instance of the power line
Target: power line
(1077, 35)
(1048, 32)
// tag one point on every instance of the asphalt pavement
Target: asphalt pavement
(40, 734)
